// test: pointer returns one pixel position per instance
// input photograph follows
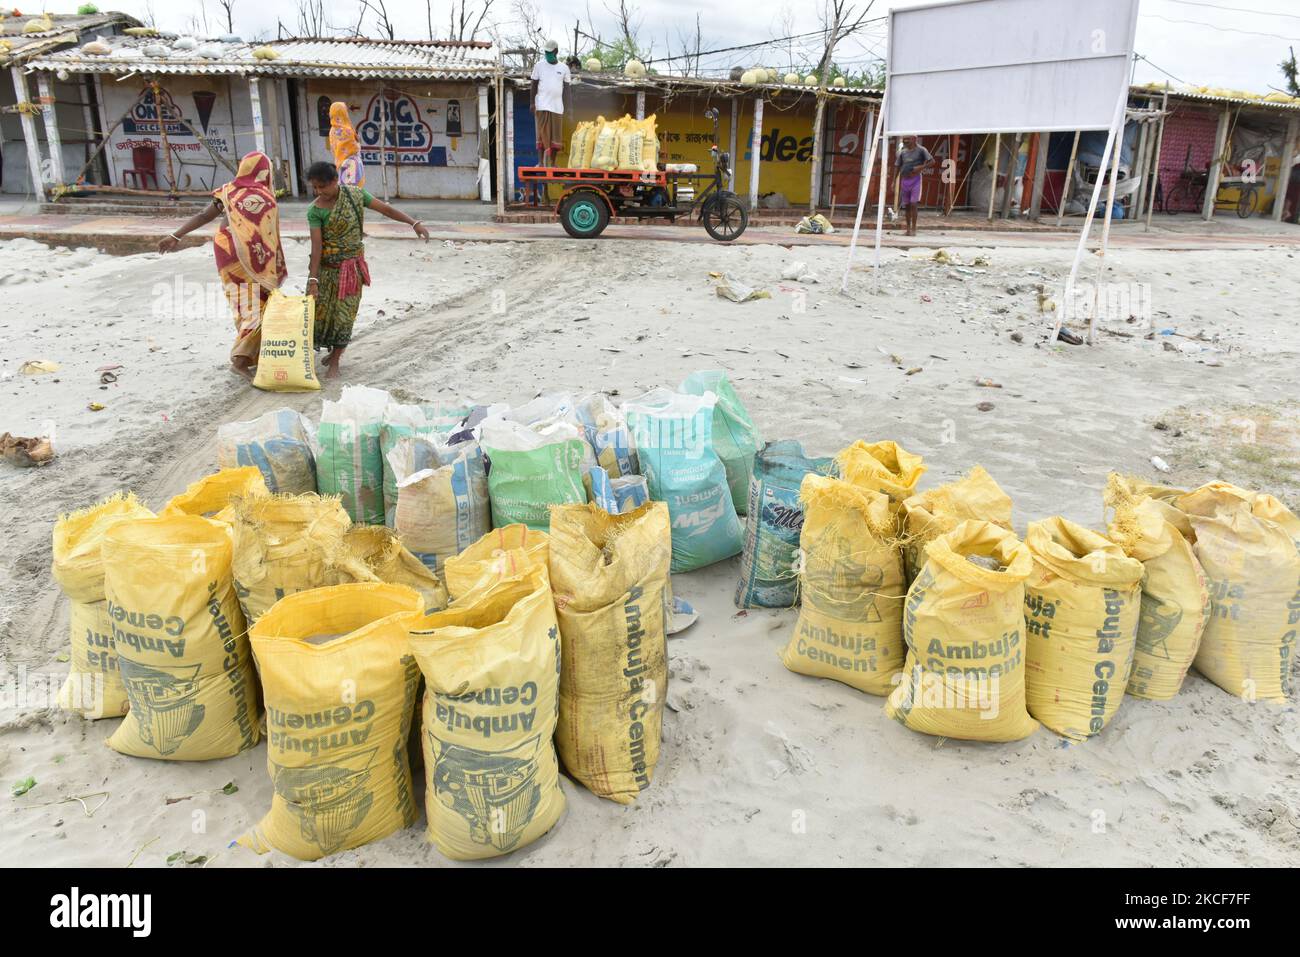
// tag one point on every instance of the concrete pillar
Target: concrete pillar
(259, 129)
(1284, 171)
(509, 89)
(735, 119)
(52, 138)
(484, 169)
(1216, 164)
(755, 147)
(640, 104)
(29, 136)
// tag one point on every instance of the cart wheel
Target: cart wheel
(584, 215)
(1248, 203)
(724, 218)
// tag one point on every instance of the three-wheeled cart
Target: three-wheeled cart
(592, 197)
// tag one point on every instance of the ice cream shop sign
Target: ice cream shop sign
(394, 119)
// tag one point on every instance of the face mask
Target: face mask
(552, 57)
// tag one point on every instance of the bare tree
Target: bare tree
(840, 19)
(228, 8)
(463, 22)
(379, 10)
(628, 19)
(311, 19)
(692, 45)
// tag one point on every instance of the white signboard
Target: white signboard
(1008, 66)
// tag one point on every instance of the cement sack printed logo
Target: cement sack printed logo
(394, 119)
(496, 792)
(329, 800)
(164, 702)
(1158, 619)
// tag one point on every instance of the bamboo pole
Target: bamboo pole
(1069, 180)
(162, 133)
(993, 183)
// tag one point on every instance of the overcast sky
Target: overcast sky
(1222, 43)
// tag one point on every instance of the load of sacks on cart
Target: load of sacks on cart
(517, 562)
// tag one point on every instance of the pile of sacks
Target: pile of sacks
(930, 599)
(516, 560)
(625, 144)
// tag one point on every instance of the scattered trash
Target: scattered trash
(684, 615)
(817, 224)
(1159, 464)
(1066, 336)
(926, 298)
(22, 787)
(941, 256)
(107, 378)
(914, 370)
(988, 384)
(985, 406)
(39, 367)
(96, 407)
(738, 292)
(25, 452)
(794, 271)
(1017, 337)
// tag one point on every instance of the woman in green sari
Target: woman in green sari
(338, 261)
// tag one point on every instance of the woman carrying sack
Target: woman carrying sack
(338, 262)
(345, 148)
(250, 260)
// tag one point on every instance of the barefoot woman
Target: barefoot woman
(338, 261)
(250, 261)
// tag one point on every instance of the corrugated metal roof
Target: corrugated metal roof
(17, 46)
(1261, 102)
(719, 85)
(323, 57)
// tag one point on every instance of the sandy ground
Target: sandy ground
(751, 750)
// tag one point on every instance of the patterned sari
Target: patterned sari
(343, 270)
(250, 261)
(343, 144)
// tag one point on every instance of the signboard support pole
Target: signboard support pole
(1069, 180)
(484, 137)
(52, 139)
(755, 147)
(876, 123)
(735, 120)
(383, 140)
(1155, 164)
(1105, 234)
(162, 135)
(1283, 172)
(259, 131)
(1066, 300)
(993, 183)
(29, 135)
(880, 209)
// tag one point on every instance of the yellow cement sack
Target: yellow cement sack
(577, 143)
(931, 513)
(93, 686)
(881, 467)
(181, 643)
(604, 154)
(285, 544)
(1249, 546)
(649, 145)
(506, 552)
(339, 683)
(850, 625)
(491, 669)
(630, 146)
(589, 143)
(1175, 591)
(609, 574)
(964, 623)
(214, 496)
(287, 360)
(1082, 602)
(379, 551)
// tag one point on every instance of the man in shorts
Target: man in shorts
(549, 78)
(913, 161)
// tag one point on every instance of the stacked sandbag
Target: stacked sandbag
(767, 565)
(1083, 598)
(963, 622)
(214, 496)
(181, 644)
(281, 444)
(578, 143)
(94, 684)
(440, 503)
(604, 150)
(850, 589)
(673, 437)
(374, 553)
(931, 513)
(338, 759)
(609, 575)
(882, 467)
(531, 468)
(1249, 545)
(350, 462)
(507, 552)
(491, 667)
(286, 359)
(285, 544)
(1175, 591)
(735, 436)
(407, 421)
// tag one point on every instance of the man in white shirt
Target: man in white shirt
(549, 77)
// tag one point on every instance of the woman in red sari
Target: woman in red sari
(250, 260)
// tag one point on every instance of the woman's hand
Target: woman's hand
(421, 231)
(168, 244)
(313, 284)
